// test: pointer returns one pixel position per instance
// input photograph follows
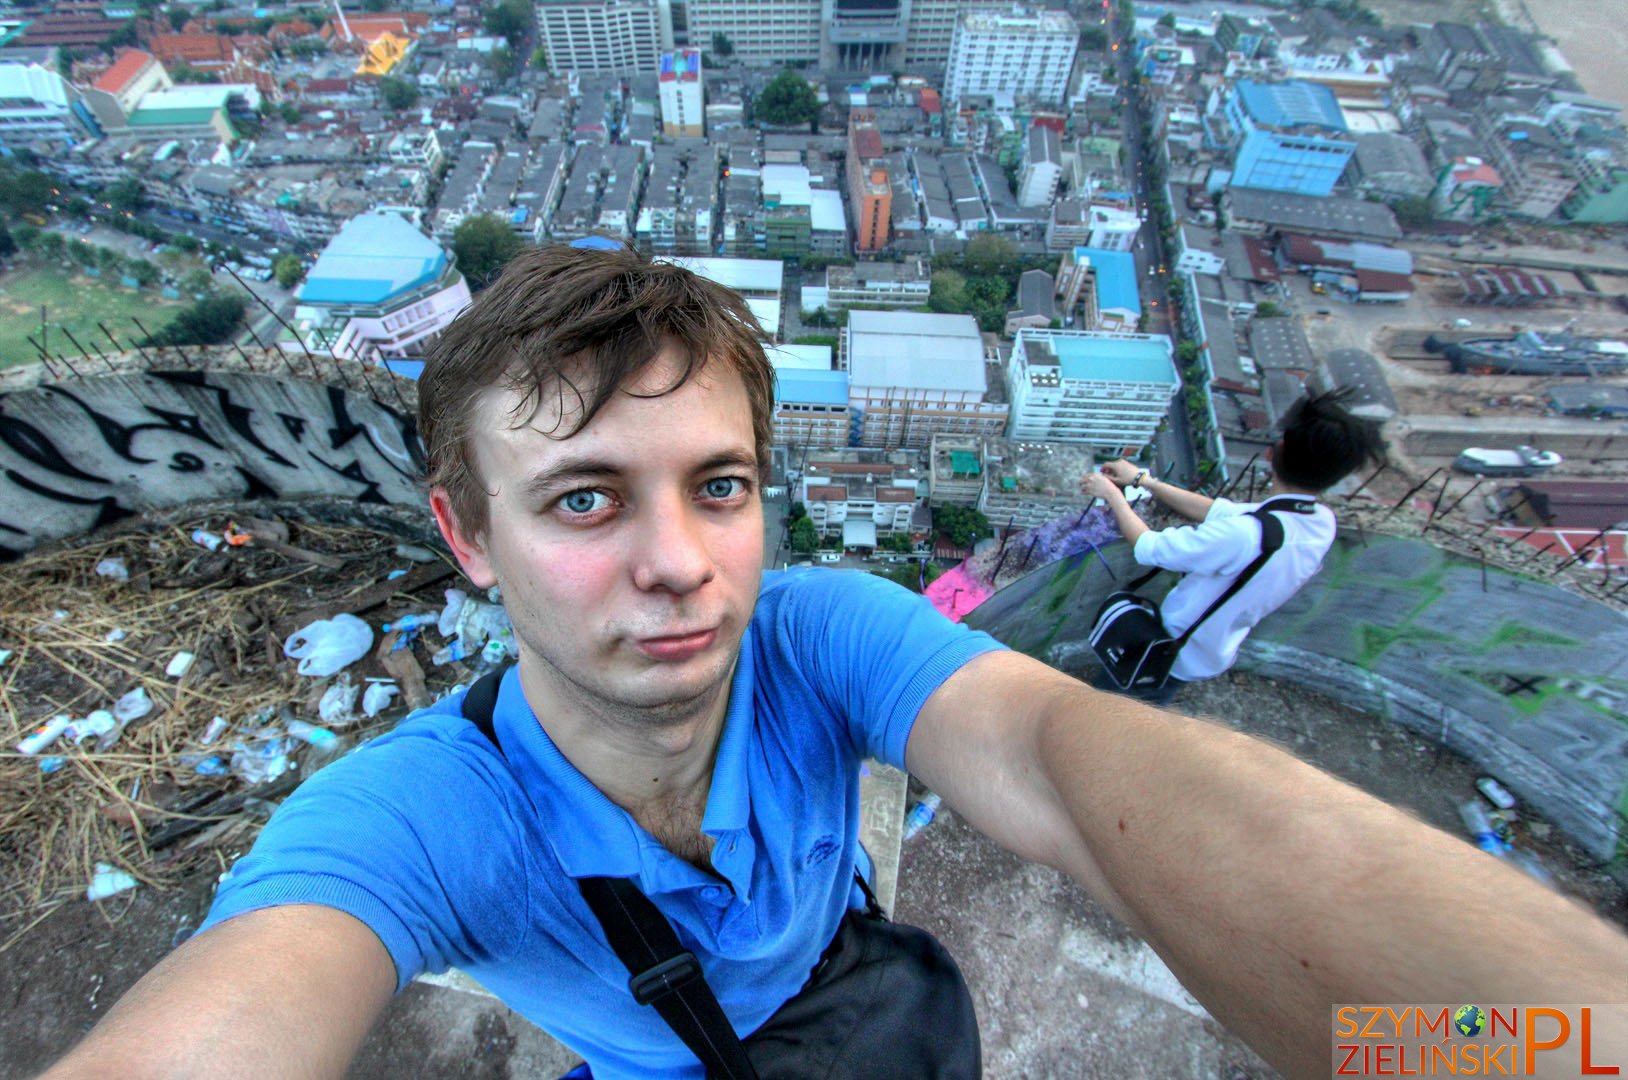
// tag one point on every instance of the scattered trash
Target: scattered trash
(59, 614)
(108, 881)
(237, 537)
(329, 645)
(449, 614)
(311, 735)
(259, 761)
(493, 655)
(52, 764)
(338, 704)
(921, 815)
(1474, 815)
(44, 735)
(209, 540)
(180, 664)
(378, 697)
(1496, 793)
(217, 727)
(113, 568)
(415, 553)
(411, 622)
(210, 765)
(446, 654)
(98, 723)
(114, 635)
(394, 574)
(5, 654)
(132, 706)
(480, 622)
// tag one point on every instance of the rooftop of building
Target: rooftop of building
(799, 357)
(1116, 277)
(1280, 345)
(124, 69)
(1310, 213)
(1290, 104)
(743, 275)
(1092, 356)
(907, 350)
(1016, 20)
(373, 258)
(808, 386)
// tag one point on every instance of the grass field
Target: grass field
(73, 301)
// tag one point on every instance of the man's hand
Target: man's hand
(1121, 472)
(1099, 486)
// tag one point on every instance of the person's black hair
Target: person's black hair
(1323, 443)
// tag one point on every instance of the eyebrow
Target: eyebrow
(580, 467)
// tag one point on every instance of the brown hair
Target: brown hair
(581, 322)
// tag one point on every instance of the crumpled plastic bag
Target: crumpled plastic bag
(338, 705)
(378, 696)
(327, 646)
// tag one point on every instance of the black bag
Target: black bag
(1129, 636)
(885, 1001)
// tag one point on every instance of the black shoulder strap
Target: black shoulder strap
(662, 973)
(1271, 540)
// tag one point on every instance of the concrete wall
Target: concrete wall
(1527, 680)
(78, 454)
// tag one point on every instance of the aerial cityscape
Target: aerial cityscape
(991, 247)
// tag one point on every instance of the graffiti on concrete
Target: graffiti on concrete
(1525, 679)
(80, 455)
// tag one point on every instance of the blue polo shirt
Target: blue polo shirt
(457, 855)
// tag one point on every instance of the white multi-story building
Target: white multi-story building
(1042, 167)
(1028, 54)
(378, 291)
(866, 494)
(883, 284)
(683, 110)
(619, 36)
(810, 397)
(1105, 390)
(419, 148)
(38, 103)
(1112, 228)
(763, 35)
(913, 375)
(932, 27)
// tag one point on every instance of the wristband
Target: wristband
(1137, 480)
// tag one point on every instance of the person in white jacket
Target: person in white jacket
(1322, 443)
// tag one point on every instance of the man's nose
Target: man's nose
(671, 550)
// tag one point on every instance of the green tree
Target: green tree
(482, 246)
(722, 47)
(502, 63)
(47, 246)
(963, 525)
(787, 100)
(804, 537)
(508, 19)
(197, 282)
(1168, 19)
(145, 273)
(1269, 309)
(209, 321)
(988, 254)
(375, 5)
(8, 246)
(899, 542)
(23, 191)
(290, 112)
(398, 94)
(126, 195)
(178, 17)
(1094, 39)
(798, 510)
(288, 270)
(539, 58)
(910, 576)
(1414, 212)
(1186, 352)
(184, 242)
(948, 293)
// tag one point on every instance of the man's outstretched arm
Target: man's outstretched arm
(1271, 889)
(277, 994)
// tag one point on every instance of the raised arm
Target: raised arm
(277, 994)
(1271, 889)
(1189, 504)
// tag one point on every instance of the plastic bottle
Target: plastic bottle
(1474, 815)
(921, 815)
(207, 539)
(446, 654)
(410, 622)
(310, 734)
(1496, 793)
(44, 735)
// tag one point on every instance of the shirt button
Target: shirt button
(715, 893)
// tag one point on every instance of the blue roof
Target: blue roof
(1291, 104)
(375, 257)
(1116, 277)
(1119, 358)
(597, 243)
(811, 387)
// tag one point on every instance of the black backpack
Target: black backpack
(1129, 636)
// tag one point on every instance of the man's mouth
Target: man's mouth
(673, 647)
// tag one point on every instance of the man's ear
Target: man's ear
(469, 550)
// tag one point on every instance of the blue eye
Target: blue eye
(723, 487)
(584, 501)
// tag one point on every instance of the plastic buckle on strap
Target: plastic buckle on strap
(664, 978)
